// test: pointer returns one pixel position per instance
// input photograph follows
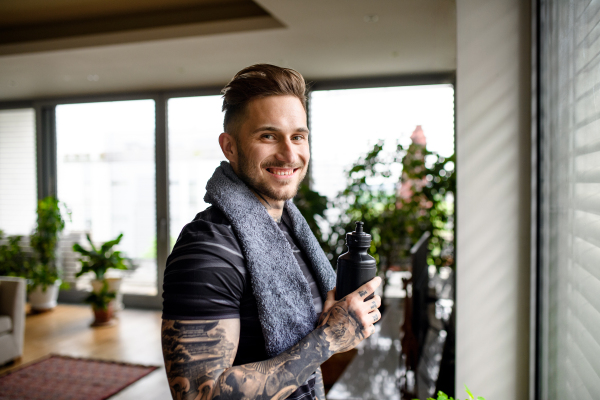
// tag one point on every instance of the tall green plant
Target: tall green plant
(44, 241)
(14, 261)
(396, 216)
(312, 206)
(99, 260)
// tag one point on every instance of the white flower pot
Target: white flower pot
(114, 285)
(44, 300)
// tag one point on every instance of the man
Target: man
(244, 315)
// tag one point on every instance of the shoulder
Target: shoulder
(205, 275)
(207, 244)
(209, 232)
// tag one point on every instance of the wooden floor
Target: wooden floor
(135, 338)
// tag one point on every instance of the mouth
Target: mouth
(282, 173)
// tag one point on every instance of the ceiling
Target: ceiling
(81, 47)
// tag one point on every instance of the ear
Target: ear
(228, 147)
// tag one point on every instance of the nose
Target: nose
(287, 152)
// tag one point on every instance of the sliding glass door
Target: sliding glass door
(193, 131)
(106, 178)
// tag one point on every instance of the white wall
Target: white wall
(493, 187)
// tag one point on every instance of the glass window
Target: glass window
(18, 182)
(195, 124)
(345, 124)
(106, 177)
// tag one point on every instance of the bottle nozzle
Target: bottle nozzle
(359, 227)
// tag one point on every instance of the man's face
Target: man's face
(272, 147)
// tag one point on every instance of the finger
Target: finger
(368, 288)
(330, 301)
(368, 321)
(371, 304)
(368, 331)
(373, 316)
(331, 295)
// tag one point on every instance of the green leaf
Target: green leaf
(469, 392)
(480, 398)
(108, 245)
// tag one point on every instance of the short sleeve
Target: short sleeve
(205, 274)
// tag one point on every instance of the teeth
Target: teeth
(283, 172)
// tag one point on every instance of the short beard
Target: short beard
(261, 187)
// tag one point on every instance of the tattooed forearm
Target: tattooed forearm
(199, 354)
(278, 377)
(198, 357)
(320, 385)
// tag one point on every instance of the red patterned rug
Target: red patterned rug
(61, 377)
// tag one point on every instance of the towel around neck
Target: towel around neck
(285, 305)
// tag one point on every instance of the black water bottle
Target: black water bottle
(355, 267)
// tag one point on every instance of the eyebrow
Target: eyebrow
(270, 128)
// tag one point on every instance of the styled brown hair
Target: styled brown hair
(255, 82)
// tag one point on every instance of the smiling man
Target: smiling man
(249, 309)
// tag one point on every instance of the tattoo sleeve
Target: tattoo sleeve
(199, 355)
(320, 385)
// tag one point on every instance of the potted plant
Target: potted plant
(43, 276)
(102, 305)
(14, 261)
(444, 396)
(99, 261)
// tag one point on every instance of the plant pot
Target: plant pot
(103, 317)
(114, 285)
(44, 300)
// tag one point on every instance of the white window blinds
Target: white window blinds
(18, 190)
(570, 199)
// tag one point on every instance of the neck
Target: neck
(274, 207)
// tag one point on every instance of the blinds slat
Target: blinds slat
(588, 319)
(586, 256)
(587, 286)
(584, 347)
(588, 177)
(588, 229)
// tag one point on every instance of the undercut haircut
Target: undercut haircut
(255, 82)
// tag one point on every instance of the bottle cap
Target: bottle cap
(358, 237)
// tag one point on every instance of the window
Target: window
(18, 179)
(106, 177)
(194, 153)
(345, 124)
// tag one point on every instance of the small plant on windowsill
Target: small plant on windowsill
(442, 396)
(102, 305)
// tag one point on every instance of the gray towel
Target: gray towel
(285, 305)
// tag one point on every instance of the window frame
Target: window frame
(45, 116)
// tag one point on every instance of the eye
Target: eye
(297, 137)
(268, 136)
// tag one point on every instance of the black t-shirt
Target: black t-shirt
(206, 278)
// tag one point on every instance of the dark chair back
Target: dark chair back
(420, 289)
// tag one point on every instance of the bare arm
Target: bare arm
(320, 385)
(199, 354)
